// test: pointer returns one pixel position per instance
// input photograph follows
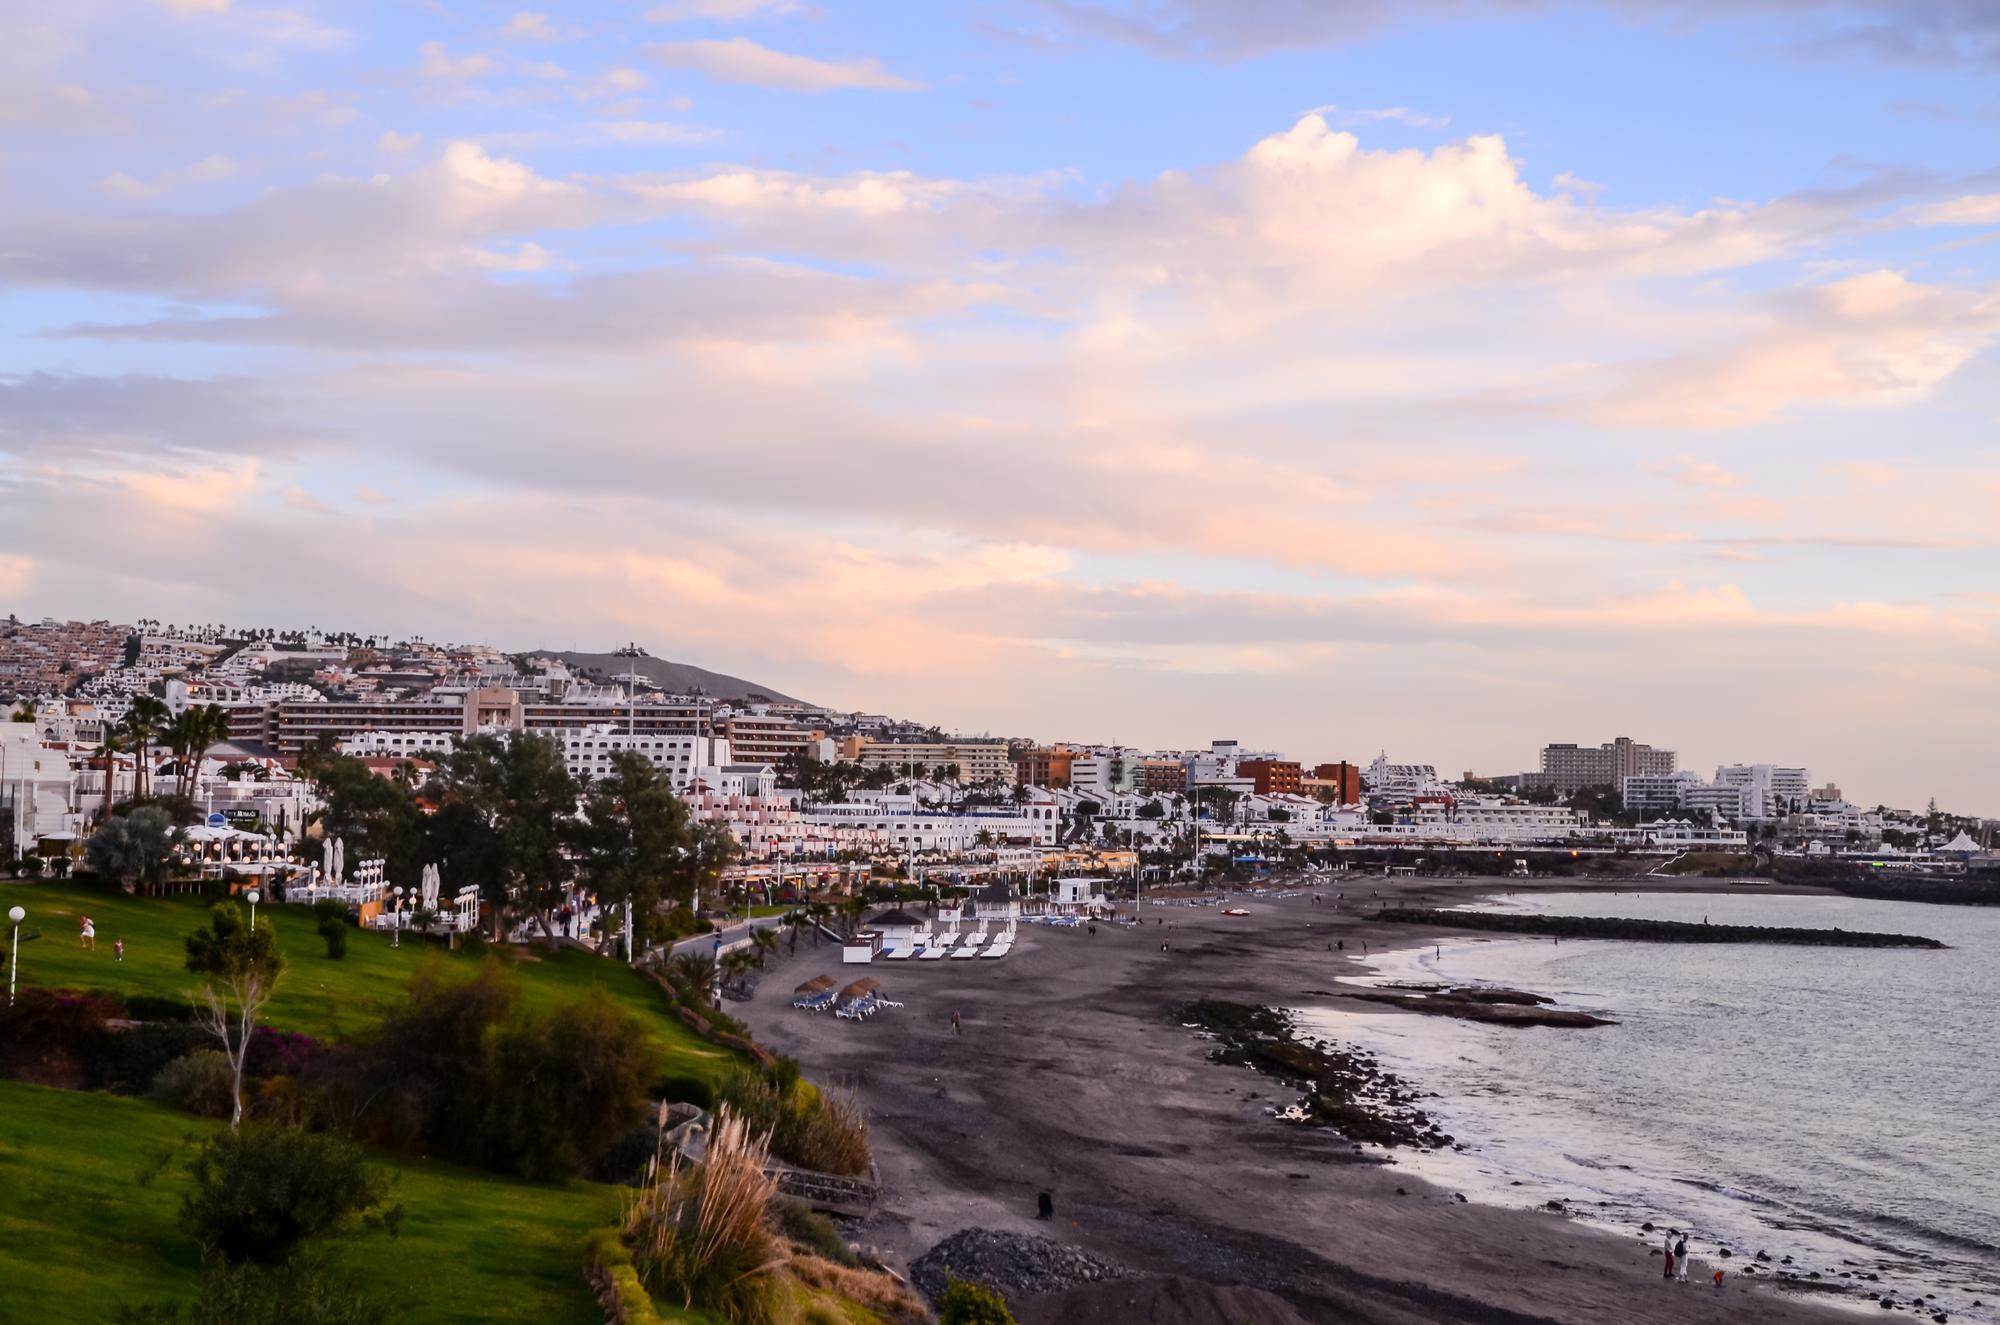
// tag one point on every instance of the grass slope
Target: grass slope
(319, 997)
(79, 1238)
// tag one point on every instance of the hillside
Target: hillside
(679, 678)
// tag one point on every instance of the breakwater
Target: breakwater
(1646, 931)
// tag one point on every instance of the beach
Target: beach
(1074, 1076)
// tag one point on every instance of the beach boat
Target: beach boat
(1234, 911)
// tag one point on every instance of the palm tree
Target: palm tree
(854, 908)
(795, 922)
(697, 971)
(735, 962)
(818, 911)
(147, 718)
(108, 750)
(766, 942)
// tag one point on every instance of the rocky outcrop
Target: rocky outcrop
(1015, 1265)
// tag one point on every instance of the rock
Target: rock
(1646, 1227)
(1015, 1265)
(1723, 1252)
(1556, 1206)
(1401, 1192)
(1459, 1197)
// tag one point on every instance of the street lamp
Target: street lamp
(396, 915)
(17, 915)
(255, 897)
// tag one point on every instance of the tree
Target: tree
(734, 963)
(147, 718)
(132, 847)
(634, 830)
(242, 965)
(108, 751)
(519, 794)
(1152, 809)
(191, 734)
(766, 942)
(795, 921)
(818, 912)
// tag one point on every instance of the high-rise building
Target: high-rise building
(1567, 767)
(1339, 783)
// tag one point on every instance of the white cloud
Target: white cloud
(391, 141)
(440, 63)
(680, 11)
(205, 171)
(532, 25)
(740, 60)
(651, 133)
(1415, 119)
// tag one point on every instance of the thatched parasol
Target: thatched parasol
(861, 988)
(819, 984)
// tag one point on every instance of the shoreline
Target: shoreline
(1847, 1260)
(1072, 1077)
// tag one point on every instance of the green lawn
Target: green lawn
(79, 1237)
(319, 997)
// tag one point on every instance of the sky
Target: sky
(1443, 377)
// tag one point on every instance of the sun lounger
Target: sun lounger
(896, 954)
(934, 953)
(970, 950)
(998, 950)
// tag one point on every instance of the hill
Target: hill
(678, 678)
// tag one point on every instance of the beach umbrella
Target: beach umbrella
(326, 858)
(339, 860)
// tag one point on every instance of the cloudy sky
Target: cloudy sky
(1338, 375)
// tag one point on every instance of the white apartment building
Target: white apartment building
(1402, 782)
(37, 789)
(1500, 820)
(1647, 793)
(977, 761)
(1769, 790)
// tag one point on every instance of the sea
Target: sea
(1838, 1106)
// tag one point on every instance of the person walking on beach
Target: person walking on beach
(957, 1027)
(1667, 1249)
(1681, 1257)
(88, 938)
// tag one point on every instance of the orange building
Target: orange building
(1339, 783)
(1039, 767)
(1270, 776)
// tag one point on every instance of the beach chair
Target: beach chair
(934, 953)
(999, 949)
(897, 954)
(970, 949)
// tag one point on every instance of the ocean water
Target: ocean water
(1840, 1106)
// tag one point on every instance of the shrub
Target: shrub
(699, 1237)
(964, 1303)
(824, 1130)
(811, 1231)
(202, 1082)
(130, 1060)
(261, 1191)
(152, 1007)
(605, 1252)
(681, 1088)
(304, 1289)
(564, 1086)
(274, 1053)
(334, 932)
(459, 1071)
(49, 1035)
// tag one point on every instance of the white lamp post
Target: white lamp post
(17, 915)
(396, 914)
(254, 898)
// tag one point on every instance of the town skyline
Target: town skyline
(1432, 377)
(757, 693)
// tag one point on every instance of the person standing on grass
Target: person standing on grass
(88, 938)
(118, 949)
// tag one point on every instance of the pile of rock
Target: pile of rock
(1015, 1265)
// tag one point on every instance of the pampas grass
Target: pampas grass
(700, 1234)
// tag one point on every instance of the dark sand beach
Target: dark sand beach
(1074, 1076)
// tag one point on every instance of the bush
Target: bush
(49, 1035)
(964, 1303)
(303, 1289)
(564, 1086)
(202, 1082)
(681, 1088)
(459, 1071)
(811, 1231)
(131, 1060)
(275, 1053)
(823, 1130)
(152, 1007)
(330, 923)
(261, 1191)
(698, 1235)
